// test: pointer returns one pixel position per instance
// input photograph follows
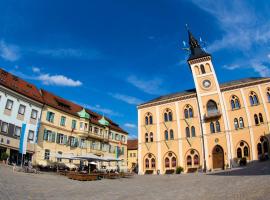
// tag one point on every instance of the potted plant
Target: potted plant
(179, 170)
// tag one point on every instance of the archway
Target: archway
(263, 148)
(218, 157)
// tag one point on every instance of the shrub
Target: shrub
(179, 170)
(4, 156)
(243, 161)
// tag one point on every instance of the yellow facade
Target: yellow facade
(211, 127)
(91, 139)
(132, 160)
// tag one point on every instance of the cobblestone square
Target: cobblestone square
(252, 182)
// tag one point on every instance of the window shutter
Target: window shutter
(65, 139)
(58, 138)
(45, 136)
(48, 116)
(53, 137)
(52, 118)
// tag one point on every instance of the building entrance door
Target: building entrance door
(218, 157)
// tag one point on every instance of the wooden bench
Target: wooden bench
(82, 177)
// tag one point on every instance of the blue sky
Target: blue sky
(112, 55)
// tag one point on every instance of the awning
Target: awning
(89, 157)
(110, 159)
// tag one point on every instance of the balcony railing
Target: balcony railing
(212, 114)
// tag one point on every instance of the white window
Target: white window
(31, 135)
(4, 127)
(18, 131)
(9, 104)
(21, 109)
(34, 114)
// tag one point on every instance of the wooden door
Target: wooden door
(218, 158)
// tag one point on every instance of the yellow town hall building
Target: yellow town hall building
(213, 126)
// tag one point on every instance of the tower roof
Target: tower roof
(195, 49)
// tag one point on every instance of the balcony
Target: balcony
(212, 114)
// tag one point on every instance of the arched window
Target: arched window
(151, 137)
(232, 104)
(241, 122)
(168, 115)
(217, 126)
(256, 119)
(146, 137)
(235, 102)
(253, 98)
(202, 69)
(261, 117)
(188, 112)
(147, 163)
(268, 94)
(212, 127)
(166, 135)
(236, 125)
(189, 160)
(167, 162)
(196, 160)
(212, 107)
(193, 134)
(239, 152)
(171, 135)
(153, 163)
(173, 162)
(150, 119)
(165, 117)
(146, 120)
(187, 132)
(246, 154)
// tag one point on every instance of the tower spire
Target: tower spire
(195, 49)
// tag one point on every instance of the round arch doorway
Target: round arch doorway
(218, 157)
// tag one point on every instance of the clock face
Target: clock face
(206, 83)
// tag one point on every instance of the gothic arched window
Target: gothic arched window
(146, 137)
(173, 162)
(212, 127)
(261, 117)
(166, 135)
(256, 119)
(189, 160)
(241, 122)
(167, 162)
(188, 112)
(187, 132)
(151, 137)
(236, 125)
(168, 115)
(253, 98)
(235, 104)
(171, 135)
(193, 133)
(148, 118)
(147, 163)
(217, 126)
(153, 163)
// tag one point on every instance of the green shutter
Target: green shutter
(52, 120)
(58, 138)
(53, 137)
(45, 135)
(65, 139)
(48, 116)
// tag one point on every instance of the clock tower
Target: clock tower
(210, 102)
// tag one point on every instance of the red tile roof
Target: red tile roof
(20, 86)
(132, 144)
(73, 109)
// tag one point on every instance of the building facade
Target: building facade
(20, 104)
(132, 155)
(68, 129)
(210, 127)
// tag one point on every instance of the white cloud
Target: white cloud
(35, 69)
(128, 99)
(101, 110)
(9, 52)
(152, 86)
(129, 125)
(263, 70)
(58, 80)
